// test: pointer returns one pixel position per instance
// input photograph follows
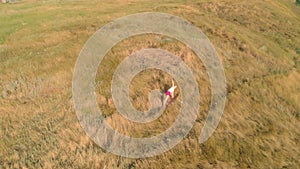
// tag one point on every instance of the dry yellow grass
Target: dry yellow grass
(257, 41)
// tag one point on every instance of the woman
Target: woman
(170, 93)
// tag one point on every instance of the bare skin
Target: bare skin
(169, 94)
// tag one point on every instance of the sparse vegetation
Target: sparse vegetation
(257, 41)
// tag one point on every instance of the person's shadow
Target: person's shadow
(173, 99)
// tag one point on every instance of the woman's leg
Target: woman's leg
(166, 100)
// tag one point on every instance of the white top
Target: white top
(172, 89)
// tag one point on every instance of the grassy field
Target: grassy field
(257, 41)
